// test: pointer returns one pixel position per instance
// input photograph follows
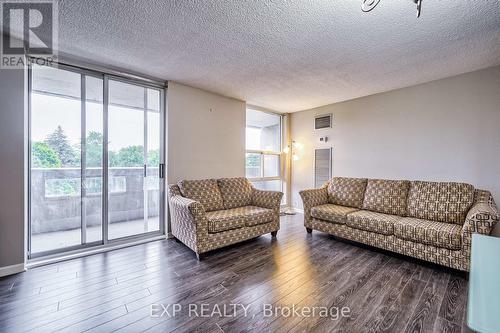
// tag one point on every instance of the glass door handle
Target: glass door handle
(161, 170)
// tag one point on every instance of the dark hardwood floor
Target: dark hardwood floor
(249, 287)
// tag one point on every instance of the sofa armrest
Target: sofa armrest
(481, 219)
(185, 210)
(188, 221)
(312, 198)
(267, 199)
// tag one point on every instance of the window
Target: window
(263, 150)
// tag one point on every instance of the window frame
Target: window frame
(264, 153)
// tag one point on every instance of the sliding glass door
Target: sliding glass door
(95, 159)
(133, 159)
(56, 164)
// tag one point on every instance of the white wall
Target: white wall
(206, 134)
(12, 145)
(446, 130)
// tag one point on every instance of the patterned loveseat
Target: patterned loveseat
(212, 213)
(427, 220)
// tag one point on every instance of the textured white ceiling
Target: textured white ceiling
(285, 55)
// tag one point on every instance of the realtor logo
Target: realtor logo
(29, 28)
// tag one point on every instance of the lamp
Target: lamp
(291, 149)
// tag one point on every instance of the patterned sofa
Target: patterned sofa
(212, 213)
(427, 220)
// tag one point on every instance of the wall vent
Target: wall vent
(323, 121)
(322, 166)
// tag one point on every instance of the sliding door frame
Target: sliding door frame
(104, 242)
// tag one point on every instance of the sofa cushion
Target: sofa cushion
(439, 234)
(258, 215)
(443, 202)
(224, 220)
(204, 191)
(386, 196)
(236, 192)
(372, 221)
(347, 191)
(332, 213)
(234, 218)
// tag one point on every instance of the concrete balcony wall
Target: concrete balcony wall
(51, 213)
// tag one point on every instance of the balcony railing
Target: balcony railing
(57, 203)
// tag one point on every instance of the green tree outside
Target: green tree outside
(59, 142)
(131, 156)
(57, 152)
(42, 156)
(154, 158)
(94, 150)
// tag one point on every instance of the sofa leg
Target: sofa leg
(309, 230)
(274, 233)
(200, 256)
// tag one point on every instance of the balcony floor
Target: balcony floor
(48, 241)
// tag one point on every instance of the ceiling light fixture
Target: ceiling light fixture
(368, 5)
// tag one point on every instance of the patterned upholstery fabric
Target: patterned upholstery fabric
(372, 221)
(236, 192)
(258, 215)
(332, 213)
(438, 234)
(221, 239)
(187, 218)
(223, 220)
(310, 199)
(443, 202)
(228, 219)
(481, 218)
(205, 191)
(267, 199)
(442, 256)
(347, 191)
(190, 222)
(386, 196)
(443, 243)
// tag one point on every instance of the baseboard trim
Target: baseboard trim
(12, 269)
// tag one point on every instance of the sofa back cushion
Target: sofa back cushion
(386, 196)
(236, 192)
(442, 202)
(347, 191)
(204, 191)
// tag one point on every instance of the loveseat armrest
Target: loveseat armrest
(267, 199)
(188, 221)
(312, 198)
(185, 210)
(481, 218)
